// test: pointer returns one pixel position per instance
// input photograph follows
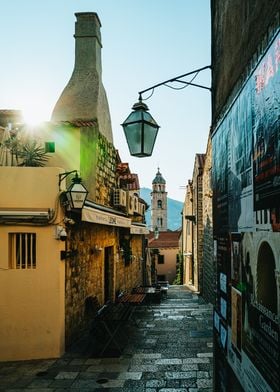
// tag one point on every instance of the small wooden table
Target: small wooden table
(132, 299)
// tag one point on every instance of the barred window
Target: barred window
(160, 259)
(22, 248)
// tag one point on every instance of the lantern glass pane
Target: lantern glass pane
(147, 117)
(134, 116)
(133, 137)
(76, 195)
(150, 134)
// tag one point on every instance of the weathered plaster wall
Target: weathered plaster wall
(31, 299)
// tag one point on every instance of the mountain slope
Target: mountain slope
(174, 208)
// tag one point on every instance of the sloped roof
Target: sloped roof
(166, 239)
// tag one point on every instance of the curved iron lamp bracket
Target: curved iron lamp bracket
(178, 79)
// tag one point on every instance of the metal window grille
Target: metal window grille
(22, 250)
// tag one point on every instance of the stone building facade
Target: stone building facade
(108, 245)
(208, 270)
(197, 185)
(102, 252)
(187, 236)
(193, 227)
(164, 251)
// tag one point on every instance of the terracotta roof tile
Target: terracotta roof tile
(166, 239)
(80, 123)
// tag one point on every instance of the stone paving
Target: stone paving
(169, 350)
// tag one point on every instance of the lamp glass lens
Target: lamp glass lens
(133, 137)
(150, 134)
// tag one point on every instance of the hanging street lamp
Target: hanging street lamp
(140, 128)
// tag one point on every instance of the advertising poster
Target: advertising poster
(236, 258)
(236, 316)
(220, 180)
(246, 225)
(260, 320)
(266, 130)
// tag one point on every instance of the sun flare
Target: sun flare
(34, 114)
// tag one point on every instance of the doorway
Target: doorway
(108, 274)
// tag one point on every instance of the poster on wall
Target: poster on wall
(236, 318)
(232, 173)
(266, 131)
(220, 181)
(260, 319)
(236, 259)
(246, 216)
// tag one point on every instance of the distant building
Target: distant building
(192, 241)
(158, 203)
(164, 253)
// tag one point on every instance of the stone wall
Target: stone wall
(85, 271)
(209, 274)
(129, 276)
(98, 165)
(198, 226)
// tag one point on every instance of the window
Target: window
(49, 146)
(159, 222)
(22, 248)
(160, 259)
(159, 204)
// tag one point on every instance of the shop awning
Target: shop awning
(93, 215)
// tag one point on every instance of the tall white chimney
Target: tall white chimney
(84, 97)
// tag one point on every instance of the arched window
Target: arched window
(266, 281)
(159, 204)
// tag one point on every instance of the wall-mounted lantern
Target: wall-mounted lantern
(77, 193)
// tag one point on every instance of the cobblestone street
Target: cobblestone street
(169, 350)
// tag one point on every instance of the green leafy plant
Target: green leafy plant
(32, 155)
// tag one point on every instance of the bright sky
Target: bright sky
(144, 43)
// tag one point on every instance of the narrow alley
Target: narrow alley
(169, 349)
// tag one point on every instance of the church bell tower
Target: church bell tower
(159, 203)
